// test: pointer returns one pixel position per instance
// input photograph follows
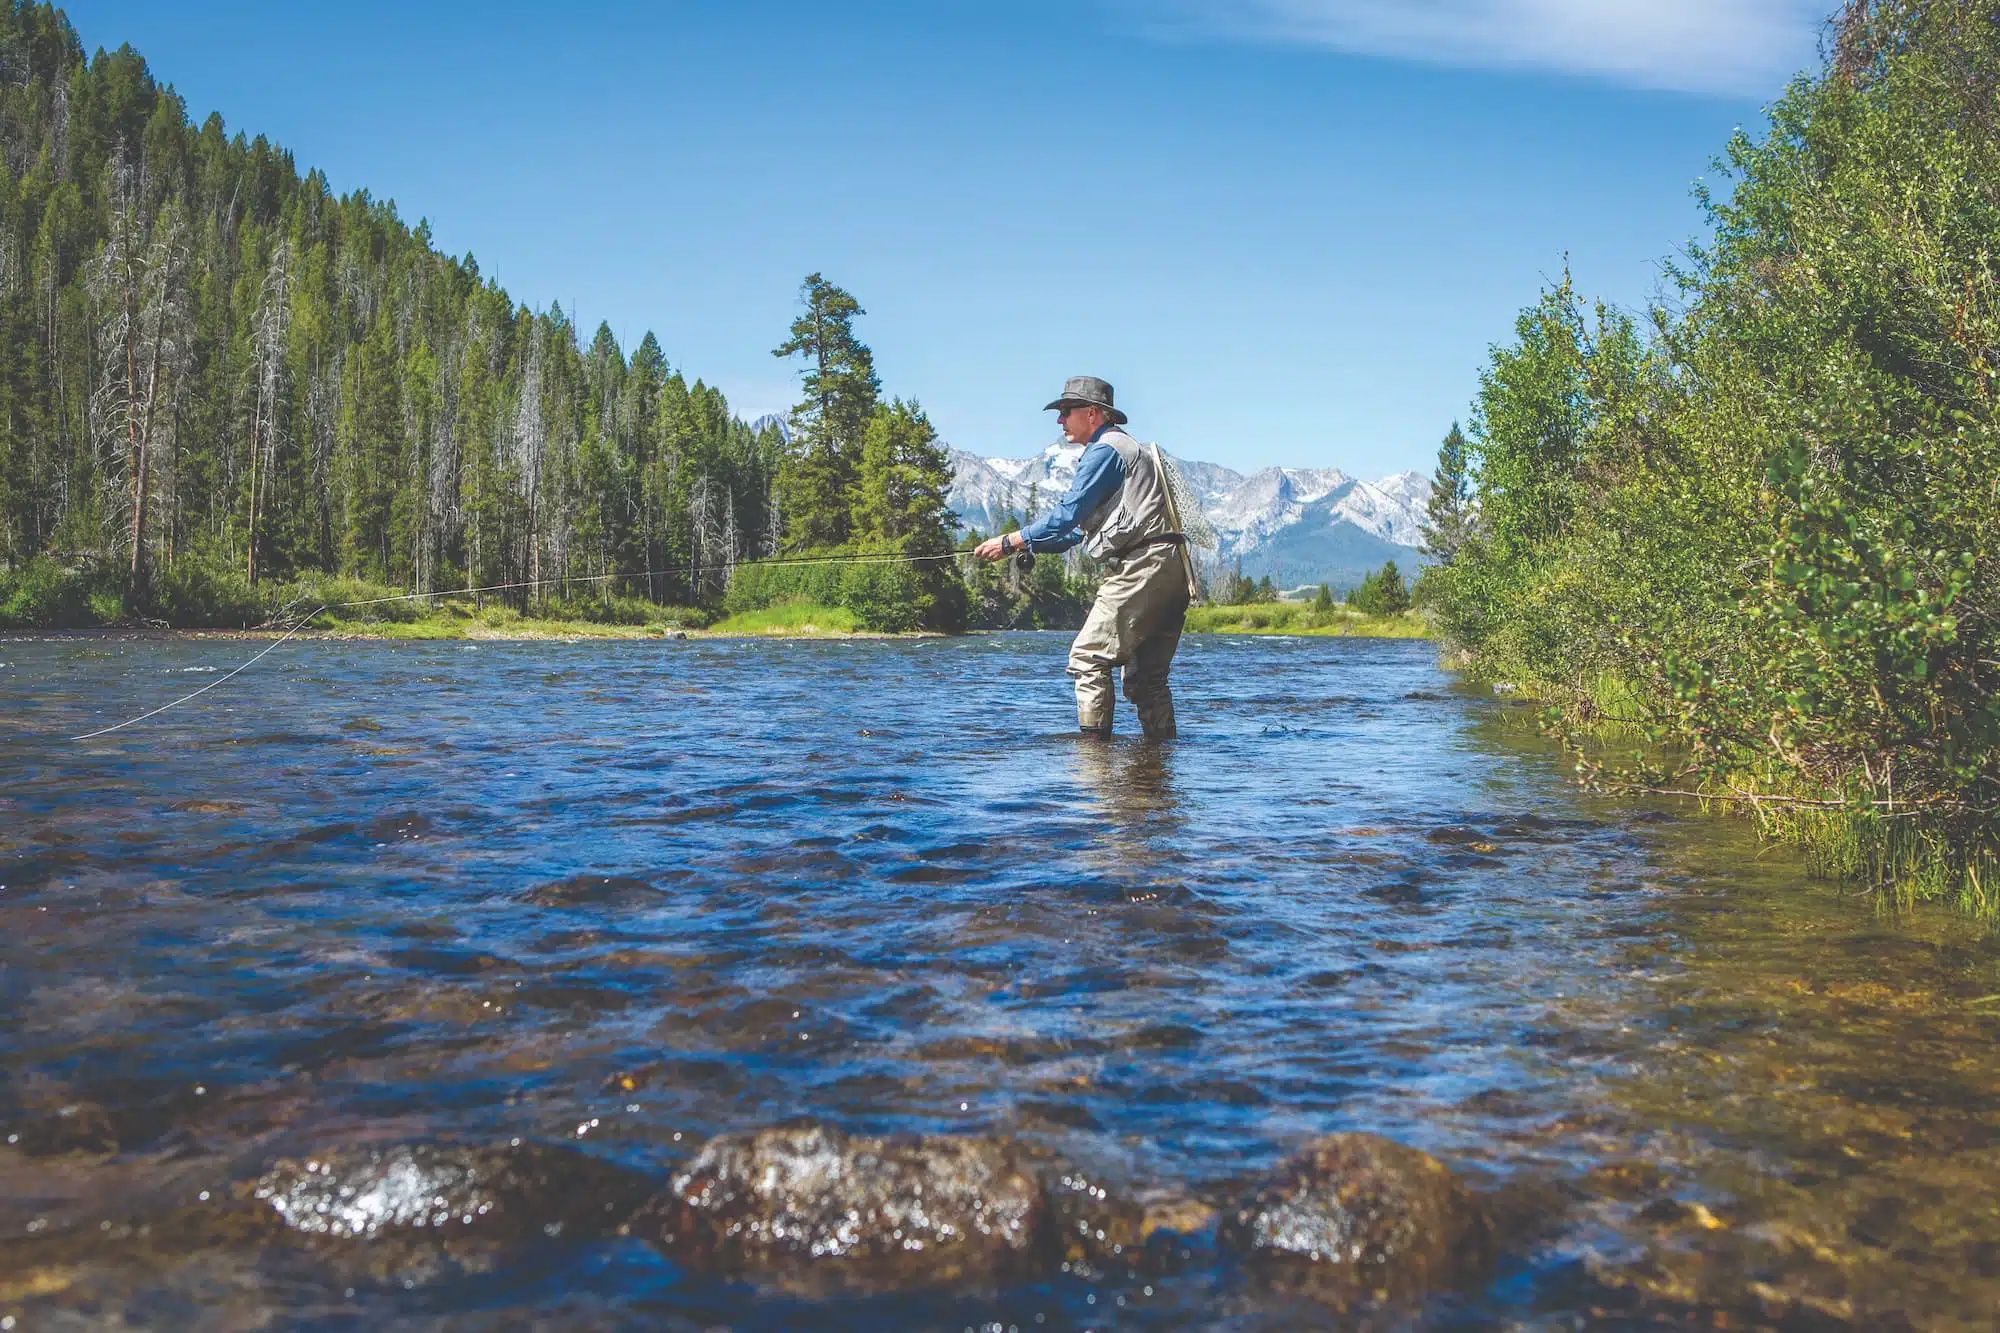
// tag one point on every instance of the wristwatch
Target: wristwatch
(1003, 543)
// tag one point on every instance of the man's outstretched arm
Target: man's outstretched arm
(1099, 474)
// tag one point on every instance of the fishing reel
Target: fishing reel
(1025, 561)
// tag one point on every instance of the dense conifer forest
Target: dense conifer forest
(1757, 526)
(217, 375)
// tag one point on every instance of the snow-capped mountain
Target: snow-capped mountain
(1300, 525)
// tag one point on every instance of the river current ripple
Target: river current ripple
(625, 896)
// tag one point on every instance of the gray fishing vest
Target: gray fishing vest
(1137, 511)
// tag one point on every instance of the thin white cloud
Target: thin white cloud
(1729, 47)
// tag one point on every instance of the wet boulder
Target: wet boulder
(816, 1211)
(1355, 1218)
(595, 891)
(505, 1194)
(56, 1130)
(1098, 1228)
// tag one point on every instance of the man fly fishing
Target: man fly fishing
(1120, 507)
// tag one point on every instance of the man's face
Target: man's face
(1080, 423)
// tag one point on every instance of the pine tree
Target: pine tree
(815, 483)
(902, 484)
(901, 504)
(1381, 593)
(371, 428)
(1448, 515)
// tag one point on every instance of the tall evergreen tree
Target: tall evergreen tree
(903, 483)
(901, 503)
(1448, 513)
(816, 481)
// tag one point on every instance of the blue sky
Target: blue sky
(1286, 230)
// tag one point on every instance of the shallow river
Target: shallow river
(624, 897)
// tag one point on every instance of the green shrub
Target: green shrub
(1769, 510)
(752, 587)
(383, 603)
(47, 594)
(1382, 593)
(201, 591)
(885, 596)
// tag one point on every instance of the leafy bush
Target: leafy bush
(884, 596)
(1770, 517)
(752, 587)
(595, 607)
(338, 594)
(47, 594)
(201, 591)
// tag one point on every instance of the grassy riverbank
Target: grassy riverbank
(44, 596)
(1302, 618)
(461, 620)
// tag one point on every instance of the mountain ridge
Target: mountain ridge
(1299, 525)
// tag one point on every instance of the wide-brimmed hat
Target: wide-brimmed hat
(1088, 391)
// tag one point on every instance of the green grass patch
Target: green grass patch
(460, 622)
(394, 629)
(458, 616)
(1302, 618)
(791, 618)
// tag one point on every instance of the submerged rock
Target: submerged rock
(1098, 1228)
(814, 1210)
(73, 1127)
(594, 891)
(1356, 1218)
(506, 1193)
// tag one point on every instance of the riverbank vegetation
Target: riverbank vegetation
(1756, 526)
(1336, 620)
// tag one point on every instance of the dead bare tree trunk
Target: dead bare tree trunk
(530, 445)
(163, 318)
(273, 321)
(116, 280)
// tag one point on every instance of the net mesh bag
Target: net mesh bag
(1186, 505)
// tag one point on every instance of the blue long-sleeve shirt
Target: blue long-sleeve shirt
(1099, 474)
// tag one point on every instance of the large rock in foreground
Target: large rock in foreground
(1355, 1218)
(506, 1194)
(814, 1210)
